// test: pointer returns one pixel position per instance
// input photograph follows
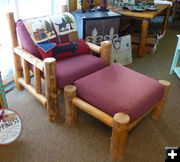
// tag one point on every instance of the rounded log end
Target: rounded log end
(165, 83)
(107, 43)
(49, 60)
(121, 118)
(69, 88)
(53, 118)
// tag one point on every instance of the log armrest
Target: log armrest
(104, 50)
(29, 58)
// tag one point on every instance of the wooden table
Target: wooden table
(145, 16)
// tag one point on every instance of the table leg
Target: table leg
(165, 22)
(143, 37)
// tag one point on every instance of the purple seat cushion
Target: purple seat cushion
(118, 89)
(72, 68)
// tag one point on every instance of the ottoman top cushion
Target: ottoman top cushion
(118, 89)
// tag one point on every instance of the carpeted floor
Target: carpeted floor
(42, 141)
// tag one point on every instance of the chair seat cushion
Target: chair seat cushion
(73, 68)
(118, 89)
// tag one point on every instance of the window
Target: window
(23, 9)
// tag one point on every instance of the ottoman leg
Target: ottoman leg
(119, 135)
(71, 111)
(157, 112)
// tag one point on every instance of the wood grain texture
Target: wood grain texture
(18, 70)
(157, 112)
(93, 47)
(26, 72)
(146, 14)
(71, 111)
(119, 135)
(30, 58)
(93, 111)
(72, 5)
(32, 90)
(143, 37)
(51, 89)
(105, 51)
(37, 79)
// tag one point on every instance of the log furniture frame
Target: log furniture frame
(48, 66)
(145, 18)
(120, 123)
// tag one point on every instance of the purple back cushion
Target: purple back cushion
(26, 41)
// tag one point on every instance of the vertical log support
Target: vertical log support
(105, 51)
(37, 78)
(51, 89)
(166, 17)
(71, 111)
(157, 112)
(26, 72)
(18, 71)
(143, 37)
(119, 135)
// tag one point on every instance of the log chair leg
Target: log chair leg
(157, 112)
(71, 111)
(18, 70)
(51, 89)
(119, 135)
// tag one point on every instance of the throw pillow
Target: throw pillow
(64, 50)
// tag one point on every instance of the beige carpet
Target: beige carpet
(42, 141)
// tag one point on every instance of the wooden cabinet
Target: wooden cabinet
(97, 26)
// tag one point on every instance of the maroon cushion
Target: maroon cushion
(64, 50)
(26, 41)
(118, 89)
(75, 67)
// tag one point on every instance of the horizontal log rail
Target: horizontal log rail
(32, 90)
(30, 58)
(94, 47)
(102, 116)
(98, 114)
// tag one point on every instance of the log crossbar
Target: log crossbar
(120, 123)
(30, 58)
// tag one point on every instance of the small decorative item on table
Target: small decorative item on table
(104, 4)
(3, 101)
(80, 6)
(91, 5)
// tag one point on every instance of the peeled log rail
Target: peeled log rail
(98, 114)
(32, 90)
(30, 58)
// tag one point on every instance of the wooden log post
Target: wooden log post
(37, 78)
(51, 89)
(119, 135)
(105, 51)
(26, 72)
(18, 70)
(157, 112)
(71, 111)
(143, 37)
(166, 18)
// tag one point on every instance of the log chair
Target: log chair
(48, 66)
(120, 123)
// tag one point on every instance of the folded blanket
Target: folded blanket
(44, 29)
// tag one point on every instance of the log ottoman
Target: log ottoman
(119, 97)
